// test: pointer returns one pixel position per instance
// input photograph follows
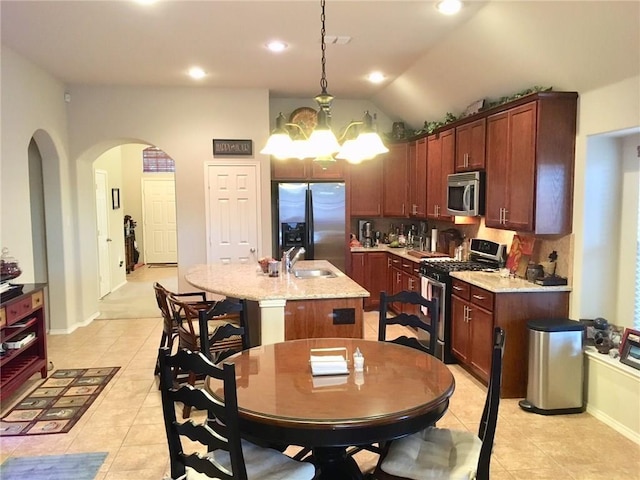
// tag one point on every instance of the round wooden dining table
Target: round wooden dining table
(399, 392)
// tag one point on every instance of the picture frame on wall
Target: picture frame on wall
(115, 198)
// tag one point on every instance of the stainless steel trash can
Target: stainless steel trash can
(556, 367)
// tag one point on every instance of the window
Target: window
(155, 160)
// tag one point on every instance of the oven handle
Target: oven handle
(426, 285)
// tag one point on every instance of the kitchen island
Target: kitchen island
(287, 307)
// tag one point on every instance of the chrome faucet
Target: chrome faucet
(288, 262)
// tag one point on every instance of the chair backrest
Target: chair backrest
(161, 298)
(185, 315)
(227, 339)
(487, 430)
(410, 320)
(218, 432)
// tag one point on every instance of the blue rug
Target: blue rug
(77, 466)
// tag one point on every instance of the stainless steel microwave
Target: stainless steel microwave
(465, 194)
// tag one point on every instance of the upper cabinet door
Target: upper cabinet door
(511, 151)
(365, 188)
(289, 169)
(307, 169)
(418, 179)
(440, 157)
(334, 171)
(470, 146)
(396, 174)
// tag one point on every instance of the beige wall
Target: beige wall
(598, 206)
(32, 106)
(111, 162)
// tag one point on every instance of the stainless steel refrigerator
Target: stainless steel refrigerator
(311, 215)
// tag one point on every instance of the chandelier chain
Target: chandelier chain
(323, 79)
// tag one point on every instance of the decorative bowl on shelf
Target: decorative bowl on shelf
(9, 268)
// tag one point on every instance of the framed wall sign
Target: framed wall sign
(115, 198)
(630, 348)
(225, 148)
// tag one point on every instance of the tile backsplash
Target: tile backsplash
(544, 245)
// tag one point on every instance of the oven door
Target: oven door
(431, 289)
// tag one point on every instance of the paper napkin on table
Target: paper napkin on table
(328, 365)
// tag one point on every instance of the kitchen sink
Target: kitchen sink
(317, 273)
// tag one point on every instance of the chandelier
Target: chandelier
(360, 140)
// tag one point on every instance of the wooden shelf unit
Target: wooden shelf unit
(23, 314)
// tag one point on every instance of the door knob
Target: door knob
(109, 240)
(252, 250)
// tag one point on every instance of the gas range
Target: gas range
(484, 255)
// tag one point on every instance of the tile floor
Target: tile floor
(126, 420)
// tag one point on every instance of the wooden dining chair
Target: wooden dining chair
(169, 325)
(186, 315)
(449, 454)
(228, 338)
(228, 456)
(413, 320)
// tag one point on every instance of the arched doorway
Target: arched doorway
(122, 169)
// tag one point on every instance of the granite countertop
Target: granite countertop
(493, 282)
(400, 252)
(248, 282)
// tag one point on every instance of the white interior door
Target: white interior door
(233, 225)
(102, 220)
(159, 220)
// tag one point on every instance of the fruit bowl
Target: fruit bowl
(264, 264)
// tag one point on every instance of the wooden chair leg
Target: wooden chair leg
(186, 411)
(163, 343)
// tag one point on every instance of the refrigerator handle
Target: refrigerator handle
(309, 255)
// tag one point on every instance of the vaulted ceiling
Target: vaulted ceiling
(433, 63)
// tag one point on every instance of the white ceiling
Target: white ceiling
(120, 42)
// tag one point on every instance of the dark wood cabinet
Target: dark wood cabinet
(418, 178)
(472, 327)
(440, 155)
(530, 151)
(305, 170)
(410, 283)
(470, 146)
(511, 149)
(474, 314)
(369, 270)
(396, 172)
(22, 321)
(365, 188)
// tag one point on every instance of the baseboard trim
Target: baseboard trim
(613, 423)
(66, 331)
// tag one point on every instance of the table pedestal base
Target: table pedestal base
(333, 463)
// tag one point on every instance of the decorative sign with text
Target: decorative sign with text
(225, 148)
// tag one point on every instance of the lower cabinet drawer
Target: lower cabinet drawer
(37, 300)
(461, 289)
(17, 310)
(482, 298)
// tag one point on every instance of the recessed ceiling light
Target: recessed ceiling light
(145, 2)
(449, 7)
(196, 73)
(376, 77)
(277, 46)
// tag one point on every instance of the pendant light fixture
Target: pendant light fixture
(322, 144)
